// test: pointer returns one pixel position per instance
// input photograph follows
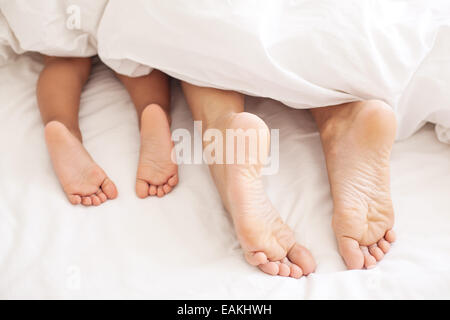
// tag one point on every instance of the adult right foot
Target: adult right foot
(266, 240)
(357, 140)
(83, 181)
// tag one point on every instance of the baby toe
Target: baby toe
(173, 181)
(141, 189)
(74, 199)
(109, 188)
(86, 201)
(102, 196)
(95, 200)
(167, 188)
(160, 193)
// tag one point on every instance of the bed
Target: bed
(183, 246)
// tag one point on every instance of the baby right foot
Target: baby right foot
(157, 174)
(83, 181)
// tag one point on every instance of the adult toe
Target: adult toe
(270, 268)
(369, 260)
(390, 236)
(384, 245)
(256, 258)
(351, 253)
(301, 256)
(284, 270)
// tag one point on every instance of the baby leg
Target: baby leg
(58, 95)
(157, 174)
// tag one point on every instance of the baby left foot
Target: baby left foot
(83, 181)
(157, 174)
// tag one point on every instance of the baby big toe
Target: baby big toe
(173, 181)
(75, 199)
(109, 188)
(142, 189)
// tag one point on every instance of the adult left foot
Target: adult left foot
(157, 174)
(266, 240)
(357, 139)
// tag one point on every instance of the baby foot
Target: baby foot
(266, 240)
(357, 145)
(157, 174)
(83, 181)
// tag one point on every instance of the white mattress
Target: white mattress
(183, 246)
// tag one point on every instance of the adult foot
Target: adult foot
(266, 240)
(357, 139)
(83, 181)
(157, 174)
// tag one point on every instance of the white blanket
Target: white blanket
(306, 53)
(52, 27)
(183, 246)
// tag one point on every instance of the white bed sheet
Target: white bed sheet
(183, 246)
